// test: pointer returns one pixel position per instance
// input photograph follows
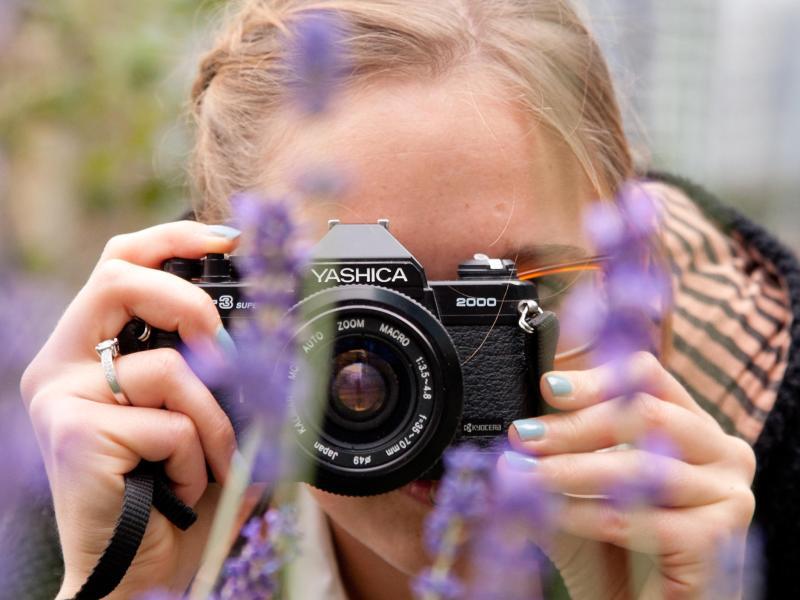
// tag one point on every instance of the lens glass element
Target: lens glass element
(360, 384)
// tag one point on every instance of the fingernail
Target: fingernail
(520, 462)
(223, 231)
(559, 386)
(529, 429)
(225, 341)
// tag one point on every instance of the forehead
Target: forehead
(455, 168)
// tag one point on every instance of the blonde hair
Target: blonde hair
(538, 49)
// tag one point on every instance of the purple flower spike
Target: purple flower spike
(322, 181)
(430, 584)
(739, 566)
(316, 59)
(271, 544)
(462, 497)
(158, 594)
(639, 209)
(635, 290)
(605, 226)
(505, 543)
(648, 486)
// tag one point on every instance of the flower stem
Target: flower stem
(217, 546)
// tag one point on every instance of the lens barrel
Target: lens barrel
(394, 389)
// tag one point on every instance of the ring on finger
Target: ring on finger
(108, 350)
(145, 335)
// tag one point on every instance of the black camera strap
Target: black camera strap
(145, 486)
(546, 330)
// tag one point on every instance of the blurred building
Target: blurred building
(712, 88)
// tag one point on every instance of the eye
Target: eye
(551, 289)
(554, 288)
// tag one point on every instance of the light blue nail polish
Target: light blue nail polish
(223, 231)
(529, 429)
(225, 341)
(520, 462)
(560, 386)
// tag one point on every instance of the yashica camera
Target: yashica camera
(414, 366)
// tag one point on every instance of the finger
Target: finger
(118, 291)
(182, 239)
(161, 378)
(652, 530)
(626, 476)
(121, 436)
(162, 435)
(621, 421)
(642, 372)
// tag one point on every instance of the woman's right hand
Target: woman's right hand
(89, 441)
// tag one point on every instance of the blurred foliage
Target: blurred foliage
(111, 77)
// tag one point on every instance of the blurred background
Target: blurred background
(94, 137)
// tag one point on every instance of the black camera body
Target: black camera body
(414, 366)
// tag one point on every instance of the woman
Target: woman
(473, 127)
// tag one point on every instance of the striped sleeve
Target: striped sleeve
(731, 317)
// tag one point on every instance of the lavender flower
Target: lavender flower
(506, 543)
(646, 487)
(322, 181)
(635, 289)
(316, 59)
(738, 566)
(462, 498)
(255, 383)
(432, 584)
(271, 544)
(158, 594)
(26, 317)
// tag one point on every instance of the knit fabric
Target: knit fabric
(731, 313)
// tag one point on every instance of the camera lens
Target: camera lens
(361, 384)
(393, 389)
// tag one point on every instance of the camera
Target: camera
(415, 366)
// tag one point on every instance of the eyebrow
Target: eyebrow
(544, 254)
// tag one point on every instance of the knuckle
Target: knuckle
(115, 245)
(222, 429)
(29, 382)
(108, 272)
(652, 411)
(744, 456)
(645, 365)
(40, 413)
(664, 531)
(614, 525)
(572, 427)
(167, 364)
(181, 427)
(66, 430)
(744, 502)
(201, 305)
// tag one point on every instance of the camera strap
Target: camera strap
(542, 328)
(145, 486)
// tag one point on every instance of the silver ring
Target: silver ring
(145, 335)
(108, 350)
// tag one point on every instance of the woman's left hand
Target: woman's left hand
(703, 501)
